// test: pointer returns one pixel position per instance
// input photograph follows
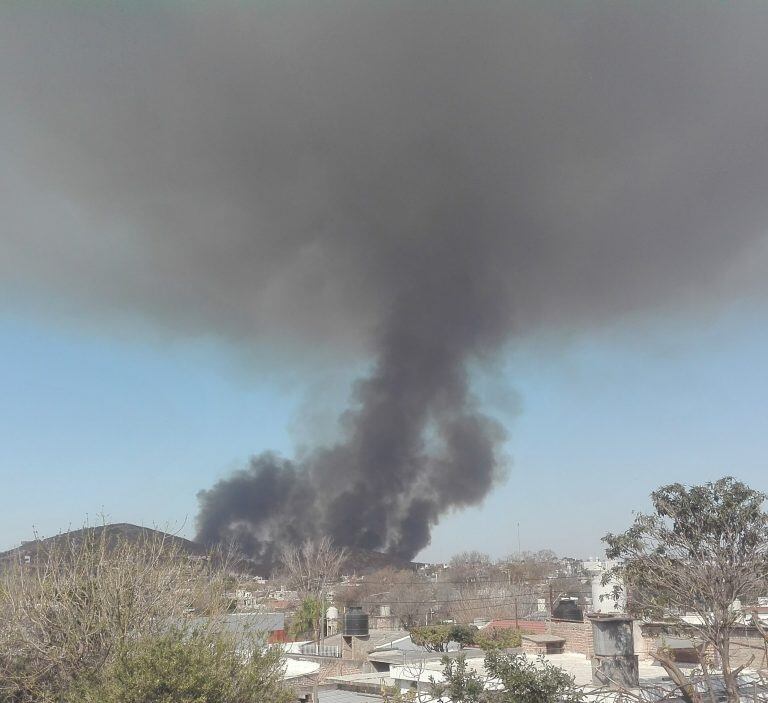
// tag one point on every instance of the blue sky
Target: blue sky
(133, 426)
(217, 215)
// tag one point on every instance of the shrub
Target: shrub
(435, 638)
(85, 596)
(187, 667)
(498, 638)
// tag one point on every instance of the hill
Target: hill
(113, 533)
(358, 561)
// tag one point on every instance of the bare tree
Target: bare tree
(470, 566)
(312, 568)
(82, 596)
(527, 567)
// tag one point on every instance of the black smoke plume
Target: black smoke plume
(412, 183)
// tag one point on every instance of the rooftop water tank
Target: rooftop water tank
(607, 597)
(355, 622)
(615, 663)
(332, 613)
(568, 609)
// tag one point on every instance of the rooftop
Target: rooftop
(376, 639)
(577, 665)
(402, 656)
(370, 678)
(336, 696)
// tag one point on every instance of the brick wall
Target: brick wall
(356, 648)
(533, 647)
(534, 626)
(577, 635)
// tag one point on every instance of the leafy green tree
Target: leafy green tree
(508, 678)
(464, 635)
(525, 681)
(305, 620)
(702, 548)
(187, 667)
(435, 638)
(460, 684)
(498, 638)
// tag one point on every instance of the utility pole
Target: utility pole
(551, 600)
(321, 641)
(322, 616)
(517, 618)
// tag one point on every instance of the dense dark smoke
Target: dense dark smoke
(415, 183)
(415, 445)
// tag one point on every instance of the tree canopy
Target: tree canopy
(183, 666)
(700, 550)
(507, 678)
(436, 638)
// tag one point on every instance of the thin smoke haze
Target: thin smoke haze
(416, 184)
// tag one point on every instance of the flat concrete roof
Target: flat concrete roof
(402, 656)
(377, 678)
(544, 638)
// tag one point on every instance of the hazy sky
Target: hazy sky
(464, 265)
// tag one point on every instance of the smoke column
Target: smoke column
(413, 184)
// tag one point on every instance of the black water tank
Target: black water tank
(568, 609)
(355, 622)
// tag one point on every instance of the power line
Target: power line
(427, 601)
(462, 582)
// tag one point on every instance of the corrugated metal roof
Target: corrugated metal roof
(248, 623)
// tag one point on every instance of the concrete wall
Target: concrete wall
(355, 648)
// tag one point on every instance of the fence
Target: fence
(321, 650)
